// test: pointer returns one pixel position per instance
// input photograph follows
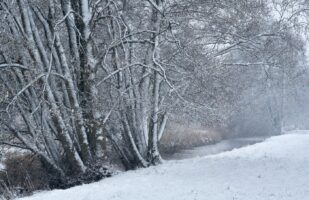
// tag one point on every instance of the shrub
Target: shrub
(5, 190)
(25, 173)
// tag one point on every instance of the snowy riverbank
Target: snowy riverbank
(276, 169)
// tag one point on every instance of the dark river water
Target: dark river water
(225, 145)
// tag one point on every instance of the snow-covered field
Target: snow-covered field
(277, 169)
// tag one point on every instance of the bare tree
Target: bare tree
(54, 93)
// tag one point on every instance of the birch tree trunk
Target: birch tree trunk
(55, 90)
(139, 81)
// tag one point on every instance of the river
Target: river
(224, 145)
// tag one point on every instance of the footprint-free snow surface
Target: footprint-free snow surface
(276, 169)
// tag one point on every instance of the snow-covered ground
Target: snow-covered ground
(276, 169)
